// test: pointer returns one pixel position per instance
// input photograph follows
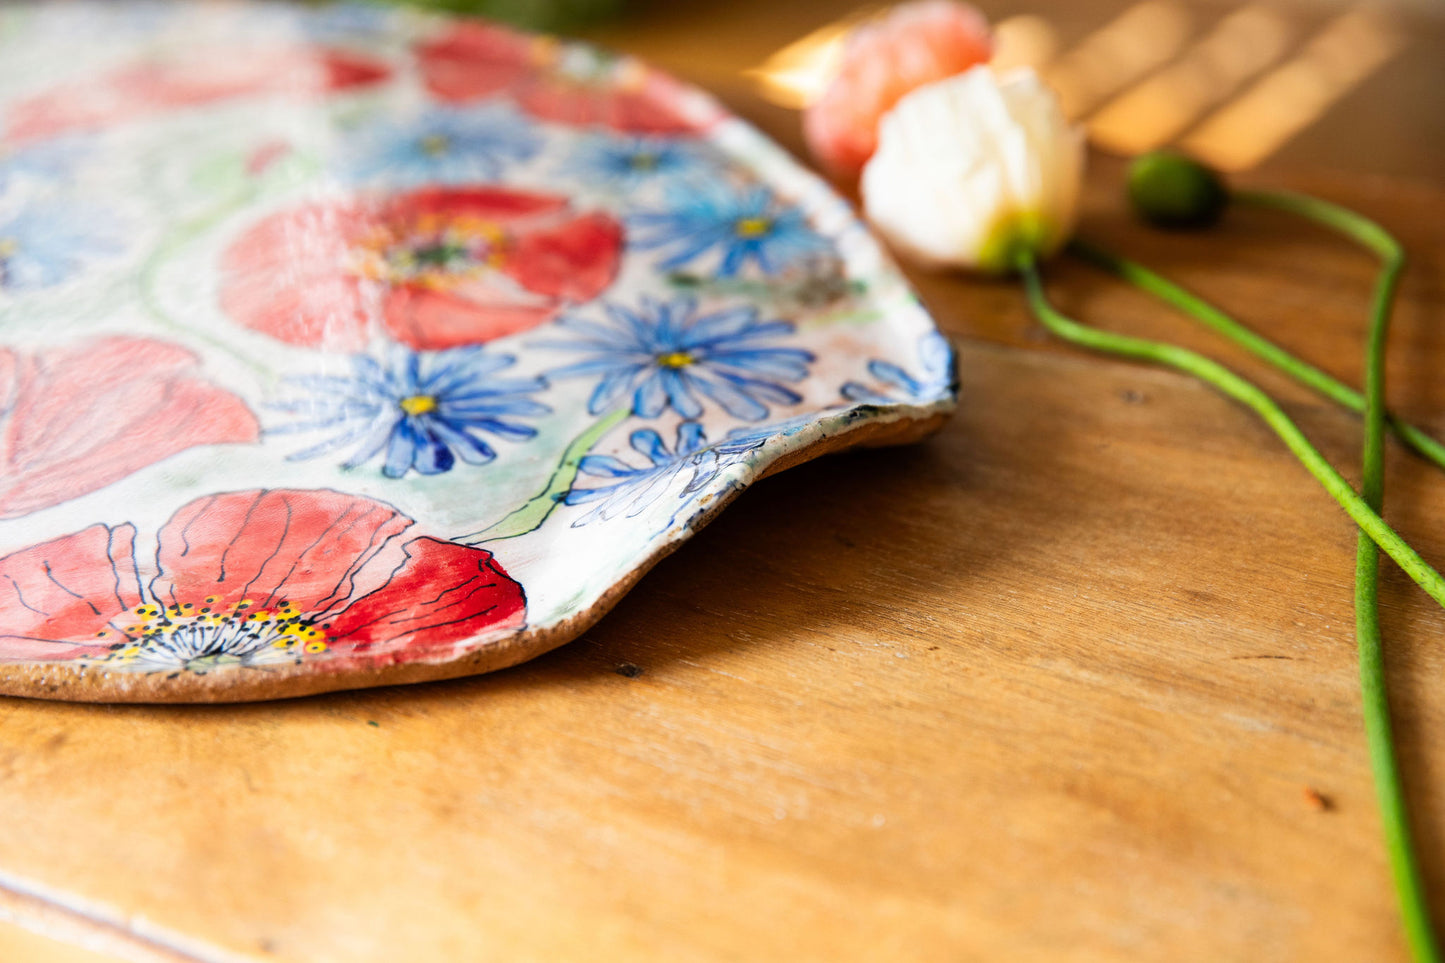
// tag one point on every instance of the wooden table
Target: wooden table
(1073, 681)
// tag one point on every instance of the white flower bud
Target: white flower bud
(976, 171)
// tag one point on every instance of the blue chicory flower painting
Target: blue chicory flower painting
(670, 355)
(419, 412)
(628, 163)
(935, 377)
(441, 145)
(45, 243)
(731, 226)
(629, 490)
(48, 162)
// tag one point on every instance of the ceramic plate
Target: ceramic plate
(343, 346)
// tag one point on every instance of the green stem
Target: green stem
(149, 275)
(534, 511)
(1233, 386)
(1379, 734)
(1262, 348)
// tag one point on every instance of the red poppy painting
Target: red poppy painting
(434, 268)
(553, 81)
(253, 578)
(202, 77)
(75, 419)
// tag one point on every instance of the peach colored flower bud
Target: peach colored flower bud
(914, 44)
(976, 171)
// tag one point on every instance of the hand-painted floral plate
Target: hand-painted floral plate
(342, 346)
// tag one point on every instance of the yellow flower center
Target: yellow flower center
(675, 359)
(753, 226)
(8, 246)
(544, 50)
(432, 251)
(1014, 236)
(205, 632)
(644, 162)
(435, 145)
(418, 404)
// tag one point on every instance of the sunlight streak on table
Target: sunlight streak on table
(1157, 110)
(1290, 98)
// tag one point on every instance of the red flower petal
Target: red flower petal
(443, 593)
(344, 70)
(306, 547)
(656, 108)
(487, 203)
(293, 275)
(473, 61)
(575, 260)
(286, 276)
(77, 419)
(57, 598)
(135, 92)
(430, 320)
(653, 106)
(334, 557)
(914, 44)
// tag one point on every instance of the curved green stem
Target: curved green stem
(535, 510)
(1379, 734)
(1237, 388)
(1262, 348)
(1359, 229)
(150, 270)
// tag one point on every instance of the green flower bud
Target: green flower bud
(1174, 191)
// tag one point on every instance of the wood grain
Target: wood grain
(1073, 682)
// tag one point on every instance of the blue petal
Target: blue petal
(890, 373)
(599, 365)
(650, 397)
(401, 449)
(612, 387)
(649, 444)
(767, 389)
(605, 465)
(678, 395)
(505, 429)
(690, 437)
(722, 325)
(468, 447)
(733, 399)
(783, 363)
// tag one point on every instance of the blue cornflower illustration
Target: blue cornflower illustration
(737, 225)
(441, 145)
(936, 360)
(43, 244)
(49, 161)
(627, 163)
(629, 490)
(668, 355)
(419, 411)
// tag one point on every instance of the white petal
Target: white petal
(964, 161)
